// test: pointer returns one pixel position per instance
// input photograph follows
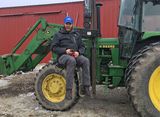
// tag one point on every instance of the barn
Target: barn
(16, 17)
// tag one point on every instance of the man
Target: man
(68, 45)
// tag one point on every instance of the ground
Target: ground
(17, 100)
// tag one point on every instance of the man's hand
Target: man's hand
(72, 53)
(76, 54)
(69, 51)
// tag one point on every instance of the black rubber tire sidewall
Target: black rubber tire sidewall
(39, 94)
(139, 81)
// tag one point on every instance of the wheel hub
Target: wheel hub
(154, 88)
(54, 88)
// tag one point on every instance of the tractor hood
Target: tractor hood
(153, 1)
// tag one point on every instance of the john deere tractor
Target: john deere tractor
(132, 60)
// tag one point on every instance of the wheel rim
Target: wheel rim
(54, 88)
(154, 88)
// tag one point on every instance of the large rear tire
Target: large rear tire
(50, 89)
(143, 81)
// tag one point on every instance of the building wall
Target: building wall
(109, 17)
(15, 21)
(17, 3)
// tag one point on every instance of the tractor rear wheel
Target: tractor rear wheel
(50, 89)
(143, 82)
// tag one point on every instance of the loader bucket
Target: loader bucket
(2, 67)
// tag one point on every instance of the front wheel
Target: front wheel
(50, 89)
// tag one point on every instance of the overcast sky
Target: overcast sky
(14, 3)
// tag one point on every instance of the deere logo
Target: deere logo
(107, 46)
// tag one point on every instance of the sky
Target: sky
(14, 3)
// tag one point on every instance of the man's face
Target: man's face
(68, 27)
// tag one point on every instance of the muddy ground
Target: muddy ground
(17, 100)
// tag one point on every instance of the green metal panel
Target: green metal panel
(115, 56)
(8, 63)
(116, 71)
(147, 35)
(110, 67)
(107, 41)
(107, 52)
(2, 67)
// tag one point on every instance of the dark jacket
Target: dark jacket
(67, 40)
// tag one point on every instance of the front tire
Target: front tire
(143, 82)
(50, 89)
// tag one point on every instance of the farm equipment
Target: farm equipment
(131, 60)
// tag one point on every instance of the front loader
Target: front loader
(132, 60)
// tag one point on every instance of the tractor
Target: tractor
(132, 60)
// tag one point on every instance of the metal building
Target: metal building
(15, 21)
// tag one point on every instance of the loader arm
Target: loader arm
(36, 50)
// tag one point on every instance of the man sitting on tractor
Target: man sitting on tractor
(68, 45)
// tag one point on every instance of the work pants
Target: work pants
(70, 64)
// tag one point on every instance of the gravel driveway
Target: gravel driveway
(18, 100)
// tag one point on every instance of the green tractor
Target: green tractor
(132, 60)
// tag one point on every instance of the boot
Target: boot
(82, 90)
(68, 94)
(88, 92)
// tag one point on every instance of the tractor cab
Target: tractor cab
(136, 17)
